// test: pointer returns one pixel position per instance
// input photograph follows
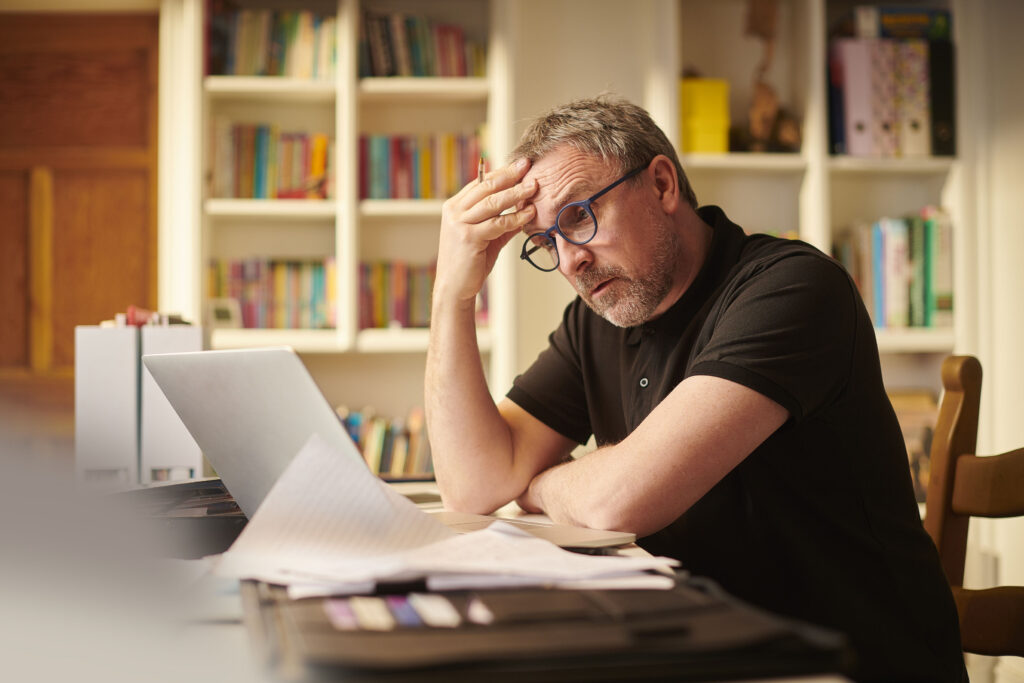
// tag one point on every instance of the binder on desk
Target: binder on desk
(694, 632)
(106, 405)
(126, 433)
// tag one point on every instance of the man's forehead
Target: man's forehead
(566, 172)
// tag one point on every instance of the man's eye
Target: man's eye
(578, 215)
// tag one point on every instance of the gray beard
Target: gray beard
(637, 303)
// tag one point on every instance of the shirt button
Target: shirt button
(643, 382)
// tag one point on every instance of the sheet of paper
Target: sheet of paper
(326, 508)
(503, 548)
(328, 524)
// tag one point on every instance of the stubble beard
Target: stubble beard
(632, 300)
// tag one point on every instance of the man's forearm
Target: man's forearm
(470, 442)
(689, 442)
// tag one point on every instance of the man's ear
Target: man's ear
(666, 182)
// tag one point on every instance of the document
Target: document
(329, 526)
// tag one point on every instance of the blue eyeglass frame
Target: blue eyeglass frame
(585, 203)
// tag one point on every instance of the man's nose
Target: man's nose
(572, 258)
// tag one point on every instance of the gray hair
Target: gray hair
(606, 126)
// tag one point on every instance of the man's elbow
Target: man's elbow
(475, 501)
(634, 517)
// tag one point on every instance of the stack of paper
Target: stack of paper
(328, 526)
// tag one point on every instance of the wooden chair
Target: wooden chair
(963, 485)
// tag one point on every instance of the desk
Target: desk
(217, 637)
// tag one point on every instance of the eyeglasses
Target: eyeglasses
(575, 222)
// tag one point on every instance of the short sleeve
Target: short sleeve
(787, 330)
(552, 388)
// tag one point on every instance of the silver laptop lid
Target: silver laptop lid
(250, 411)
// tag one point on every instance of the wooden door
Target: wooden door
(78, 160)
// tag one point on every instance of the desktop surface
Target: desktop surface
(228, 632)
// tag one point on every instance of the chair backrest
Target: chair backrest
(963, 485)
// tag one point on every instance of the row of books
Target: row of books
(268, 42)
(903, 268)
(891, 84)
(395, 294)
(417, 166)
(397, 44)
(917, 412)
(260, 161)
(394, 448)
(278, 294)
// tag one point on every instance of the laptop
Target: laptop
(252, 410)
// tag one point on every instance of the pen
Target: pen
(480, 171)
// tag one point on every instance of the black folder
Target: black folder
(694, 632)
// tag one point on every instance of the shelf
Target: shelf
(911, 340)
(745, 161)
(420, 90)
(399, 208)
(399, 340)
(921, 165)
(298, 209)
(300, 340)
(269, 88)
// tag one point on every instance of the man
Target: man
(732, 384)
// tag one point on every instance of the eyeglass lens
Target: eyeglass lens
(541, 252)
(575, 223)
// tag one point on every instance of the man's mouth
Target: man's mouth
(601, 286)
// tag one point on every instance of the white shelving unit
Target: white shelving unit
(344, 227)
(809, 192)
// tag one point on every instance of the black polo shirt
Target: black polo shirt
(819, 522)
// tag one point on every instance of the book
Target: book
(896, 262)
(917, 256)
(916, 412)
(938, 267)
(902, 21)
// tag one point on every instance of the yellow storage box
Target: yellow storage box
(704, 107)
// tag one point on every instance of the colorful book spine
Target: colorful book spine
(395, 294)
(263, 162)
(399, 44)
(278, 294)
(903, 268)
(417, 166)
(268, 42)
(394, 448)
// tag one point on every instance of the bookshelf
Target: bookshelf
(343, 226)
(810, 193)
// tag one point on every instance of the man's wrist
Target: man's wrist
(442, 302)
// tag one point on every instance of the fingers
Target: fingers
(497, 205)
(490, 205)
(495, 181)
